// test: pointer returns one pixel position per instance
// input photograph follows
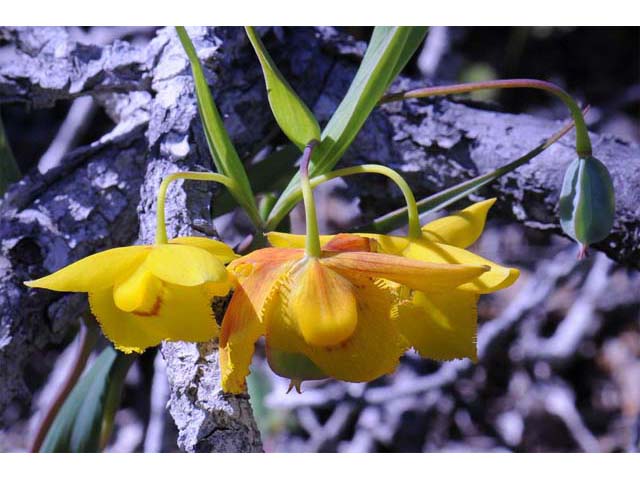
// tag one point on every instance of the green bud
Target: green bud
(587, 201)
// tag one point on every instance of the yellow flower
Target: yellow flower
(142, 295)
(331, 316)
(439, 325)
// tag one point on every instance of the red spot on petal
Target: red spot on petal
(154, 310)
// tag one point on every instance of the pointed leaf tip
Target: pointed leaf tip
(293, 116)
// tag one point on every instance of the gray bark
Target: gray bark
(43, 65)
(103, 195)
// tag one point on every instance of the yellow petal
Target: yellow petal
(441, 326)
(185, 265)
(241, 328)
(139, 291)
(260, 270)
(384, 243)
(95, 272)
(182, 313)
(460, 229)
(388, 243)
(372, 350)
(128, 332)
(414, 274)
(289, 240)
(220, 250)
(268, 257)
(497, 278)
(322, 303)
(218, 289)
(188, 314)
(340, 242)
(258, 276)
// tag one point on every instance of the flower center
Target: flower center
(322, 303)
(155, 309)
(140, 293)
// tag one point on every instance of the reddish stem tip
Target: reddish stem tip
(306, 157)
(583, 252)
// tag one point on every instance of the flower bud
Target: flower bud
(587, 201)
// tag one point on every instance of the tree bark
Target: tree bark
(103, 195)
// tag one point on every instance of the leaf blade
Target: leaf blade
(224, 154)
(390, 48)
(79, 423)
(292, 115)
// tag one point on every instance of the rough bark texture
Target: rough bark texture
(103, 195)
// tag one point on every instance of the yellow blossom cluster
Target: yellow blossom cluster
(347, 314)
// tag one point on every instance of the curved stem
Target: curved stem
(313, 237)
(583, 143)
(161, 229)
(412, 207)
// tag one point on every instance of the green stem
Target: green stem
(583, 144)
(161, 229)
(411, 208)
(313, 237)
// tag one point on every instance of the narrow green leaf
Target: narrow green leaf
(85, 434)
(225, 156)
(414, 40)
(79, 423)
(295, 119)
(385, 57)
(389, 50)
(117, 377)
(9, 171)
(587, 201)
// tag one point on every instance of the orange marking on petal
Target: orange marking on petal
(345, 242)
(155, 309)
(415, 274)
(239, 312)
(268, 256)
